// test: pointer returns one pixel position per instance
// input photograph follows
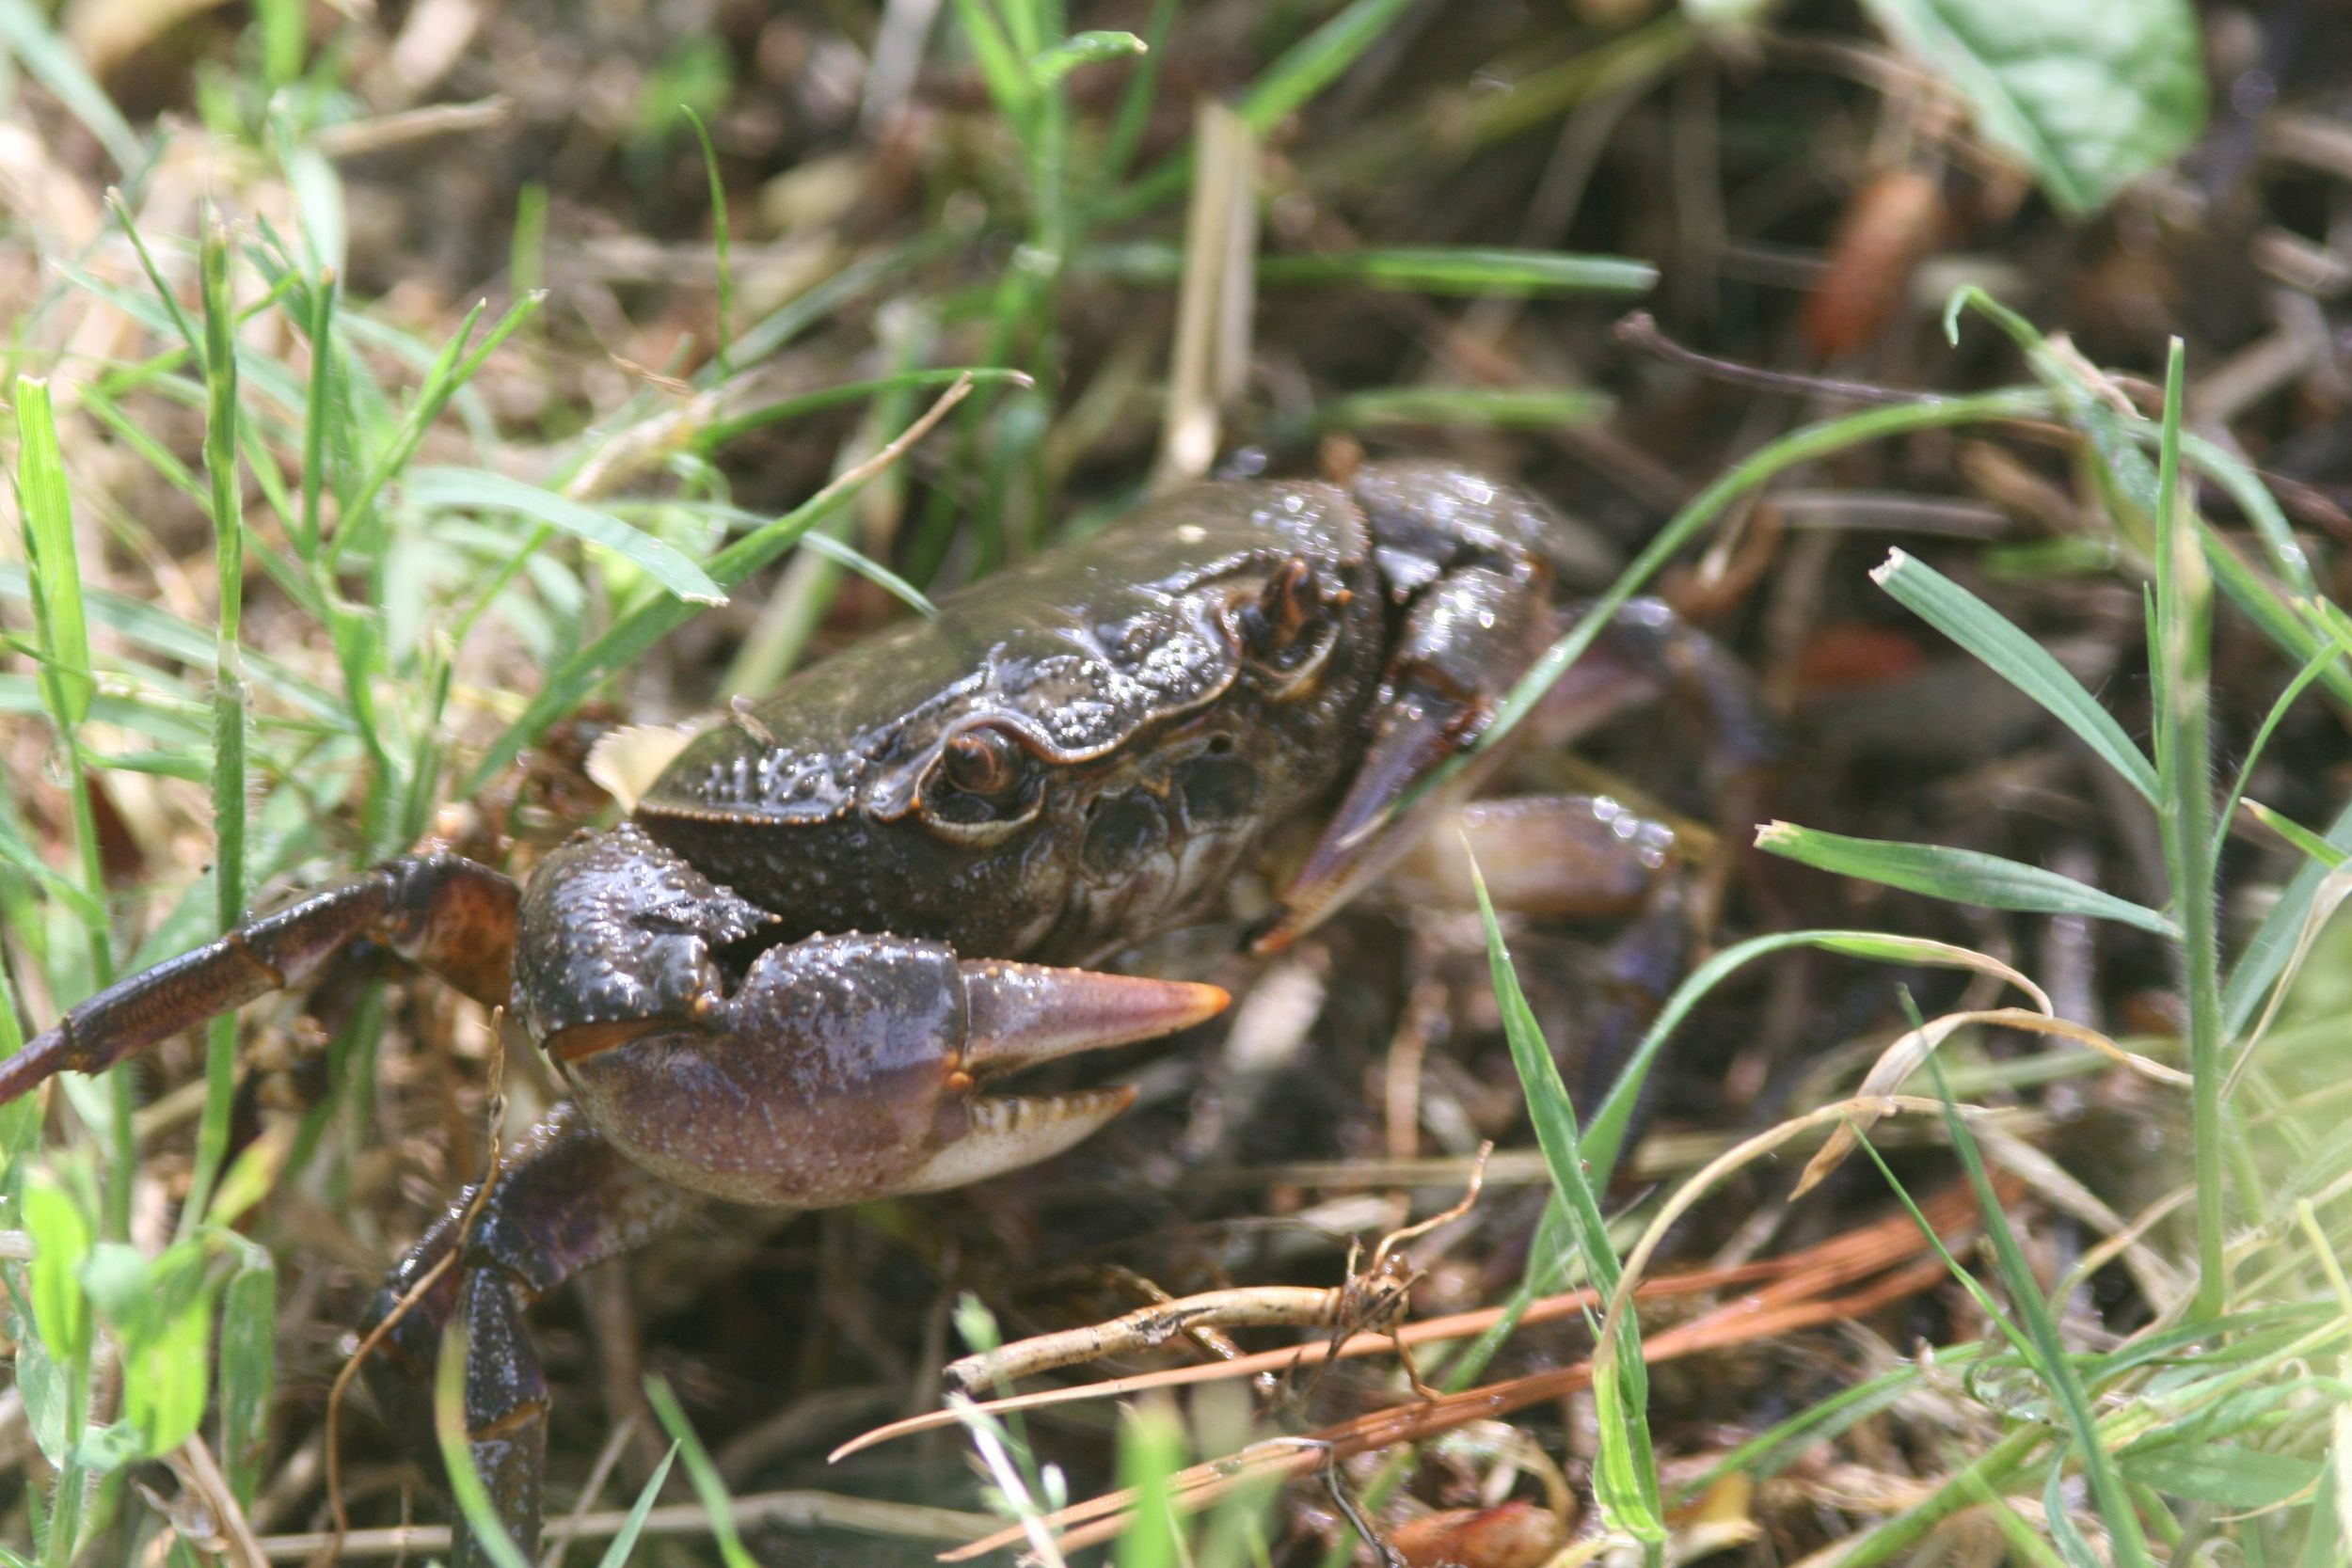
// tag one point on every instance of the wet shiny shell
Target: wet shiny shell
(1163, 726)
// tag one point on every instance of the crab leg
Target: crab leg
(441, 912)
(1577, 856)
(565, 1201)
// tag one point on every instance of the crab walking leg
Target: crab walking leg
(1576, 856)
(441, 912)
(1472, 563)
(565, 1200)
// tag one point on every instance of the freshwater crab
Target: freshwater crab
(781, 978)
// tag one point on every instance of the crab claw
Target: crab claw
(845, 1067)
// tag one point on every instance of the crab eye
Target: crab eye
(986, 786)
(984, 762)
(1287, 629)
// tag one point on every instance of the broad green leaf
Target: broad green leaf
(164, 1377)
(46, 1386)
(2089, 94)
(1962, 875)
(248, 1349)
(61, 1237)
(2227, 1475)
(477, 489)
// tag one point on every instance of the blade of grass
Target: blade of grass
(465, 1481)
(628, 637)
(624, 1541)
(719, 240)
(2183, 662)
(478, 490)
(702, 1473)
(2017, 658)
(2303, 678)
(1478, 408)
(1604, 1139)
(229, 703)
(1625, 1478)
(1297, 75)
(1961, 876)
(46, 506)
(2050, 1357)
(54, 65)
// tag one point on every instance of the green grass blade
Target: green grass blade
(708, 1486)
(2182, 678)
(1474, 407)
(1750, 474)
(1961, 875)
(624, 1541)
(53, 63)
(1467, 270)
(47, 508)
(1058, 60)
(2310, 842)
(478, 490)
(628, 637)
(2274, 939)
(2312, 669)
(2051, 1360)
(1625, 1478)
(1303, 71)
(2018, 660)
(718, 433)
(1151, 1449)
(229, 700)
(1604, 1138)
(465, 1481)
(718, 239)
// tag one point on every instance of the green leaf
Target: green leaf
(47, 1388)
(476, 489)
(1051, 65)
(1151, 1449)
(2017, 658)
(249, 1350)
(1962, 875)
(2089, 94)
(2049, 1358)
(2227, 1475)
(624, 1541)
(61, 1241)
(708, 1486)
(490, 1537)
(1478, 408)
(53, 63)
(47, 508)
(164, 1377)
(2318, 848)
(1625, 1475)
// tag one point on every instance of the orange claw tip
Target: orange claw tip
(1021, 1014)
